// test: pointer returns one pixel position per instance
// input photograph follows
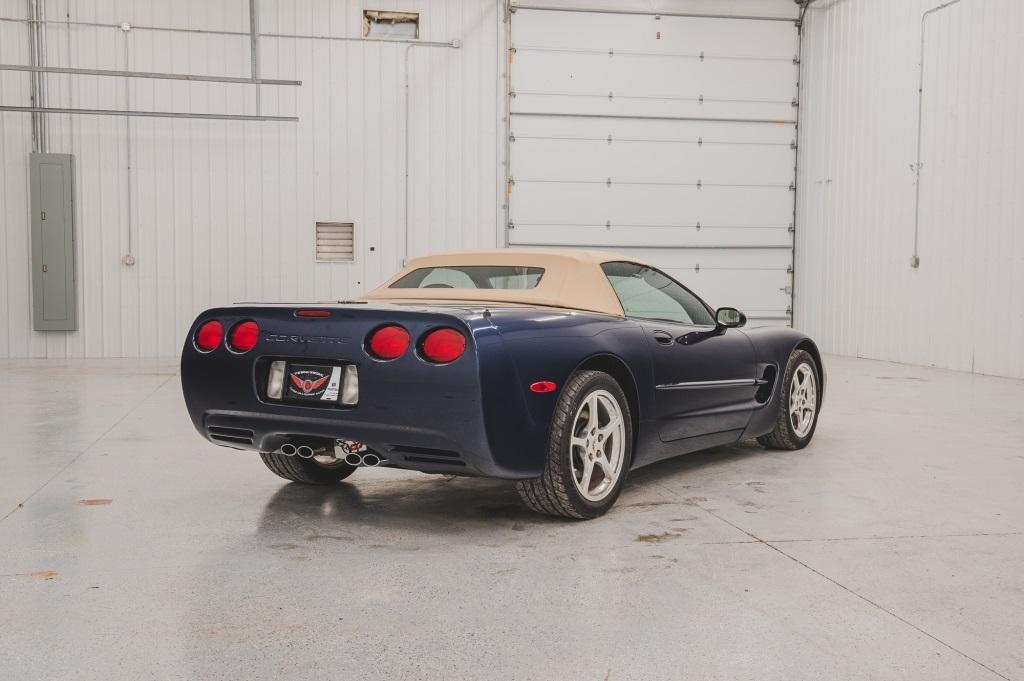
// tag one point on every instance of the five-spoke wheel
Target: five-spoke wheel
(797, 413)
(589, 451)
(803, 399)
(597, 445)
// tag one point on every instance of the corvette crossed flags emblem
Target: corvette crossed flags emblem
(307, 385)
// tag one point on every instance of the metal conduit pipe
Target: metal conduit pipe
(37, 84)
(915, 260)
(147, 74)
(145, 114)
(454, 44)
(129, 257)
(203, 31)
(254, 51)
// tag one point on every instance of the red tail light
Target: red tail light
(313, 313)
(543, 387)
(388, 342)
(209, 335)
(244, 336)
(443, 346)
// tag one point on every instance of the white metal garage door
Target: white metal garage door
(666, 137)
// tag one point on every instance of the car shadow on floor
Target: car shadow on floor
(450, 504)
(677, 467)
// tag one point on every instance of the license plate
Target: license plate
(312, 383)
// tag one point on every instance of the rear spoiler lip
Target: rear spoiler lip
(462, 312)
(322, 303)
(369, 307)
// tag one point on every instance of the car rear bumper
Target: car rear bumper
(424, 449)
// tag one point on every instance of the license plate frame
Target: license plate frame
(313, 383)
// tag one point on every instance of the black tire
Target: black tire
(307, 471)
(784, 436)
(555, 492)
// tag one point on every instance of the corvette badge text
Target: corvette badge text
(285, 338)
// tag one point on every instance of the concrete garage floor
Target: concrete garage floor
(891, 548)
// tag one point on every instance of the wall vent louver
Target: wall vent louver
(335, 242)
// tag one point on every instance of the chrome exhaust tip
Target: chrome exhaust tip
(288, 449)
(353, 459)
(305, 452)
(371, 460)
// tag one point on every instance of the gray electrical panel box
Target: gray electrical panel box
(53, 243)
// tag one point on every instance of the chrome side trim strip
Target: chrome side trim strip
(693, 385)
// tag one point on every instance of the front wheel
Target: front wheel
(798, 404)
(589, 451)
(315, 471)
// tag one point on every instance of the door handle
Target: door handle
(663, 337)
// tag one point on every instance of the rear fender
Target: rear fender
(519, 420)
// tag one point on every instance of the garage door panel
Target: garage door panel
(688, 86)
(710, 205)
(557, 202)
(612, 236)
(653, 162)
(621, 106)
(666, 35)
(668, 131)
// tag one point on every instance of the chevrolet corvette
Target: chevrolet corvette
(559, 370)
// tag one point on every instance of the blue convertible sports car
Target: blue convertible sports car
(561, 370)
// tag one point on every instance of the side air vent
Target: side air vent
(242, 436)
(437, 457)
(767, 383)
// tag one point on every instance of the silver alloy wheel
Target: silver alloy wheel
(803, 400)
(598, 445)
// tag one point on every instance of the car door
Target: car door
(705, 377)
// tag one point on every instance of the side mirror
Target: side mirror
(730, 318)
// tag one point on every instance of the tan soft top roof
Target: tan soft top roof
(572, 279)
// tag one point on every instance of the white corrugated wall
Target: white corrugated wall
(224, 211)
(856, 291)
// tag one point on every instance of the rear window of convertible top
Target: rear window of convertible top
(472, 276)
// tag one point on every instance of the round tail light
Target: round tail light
(209, 335)
(443, 345)
(388, 342)
(244, 336)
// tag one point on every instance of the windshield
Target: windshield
(472, 276)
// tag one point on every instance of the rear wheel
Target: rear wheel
(320, 470)
(798, 405)
(589, 451)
